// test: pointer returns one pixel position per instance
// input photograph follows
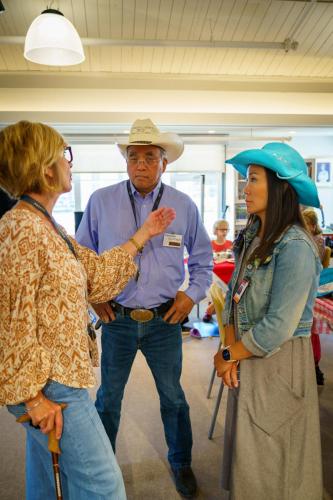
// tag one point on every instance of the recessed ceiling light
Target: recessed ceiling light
(292, 131)
(211, 131)
(126, 131)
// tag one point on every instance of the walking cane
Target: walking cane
(53, 446)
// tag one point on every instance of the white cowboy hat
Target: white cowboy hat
(145, 133)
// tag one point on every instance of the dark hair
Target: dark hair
(283, 210)
(6, 202)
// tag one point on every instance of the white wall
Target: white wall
(318, 147)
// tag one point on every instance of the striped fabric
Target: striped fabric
(323, 316)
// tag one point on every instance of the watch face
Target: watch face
(226, 354)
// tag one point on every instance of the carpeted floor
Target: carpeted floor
(141, 447)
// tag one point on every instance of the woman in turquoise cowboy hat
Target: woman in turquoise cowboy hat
(272, 437)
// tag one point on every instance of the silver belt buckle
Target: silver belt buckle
(141, 315)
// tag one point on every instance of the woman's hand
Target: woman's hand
(158, 220)
(226, 370)
(156, 223)
(47, 415)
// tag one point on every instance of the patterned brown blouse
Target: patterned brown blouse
(43, 304)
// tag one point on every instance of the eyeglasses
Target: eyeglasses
(133, 161)
(68, 154)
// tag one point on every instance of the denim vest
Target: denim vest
(277, 304)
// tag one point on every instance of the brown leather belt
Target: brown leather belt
(140, 314)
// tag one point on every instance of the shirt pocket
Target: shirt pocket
(274, 405)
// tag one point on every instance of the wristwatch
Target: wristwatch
(226, 355)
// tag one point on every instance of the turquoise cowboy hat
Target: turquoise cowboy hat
(288, 165)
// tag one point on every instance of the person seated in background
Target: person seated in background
(220, 229)
(312, 224)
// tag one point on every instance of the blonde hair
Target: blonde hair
(218, 223)
(26, 151)
(311, 219)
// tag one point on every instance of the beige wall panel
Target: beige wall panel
(103, 18)
(177, 64)
(3, 64)
(164, 19)
(153, 9)
(79, 17)
(168, 56)
(128, 19)
(140, 19)
(186, 22)
(92, 19)
(175, 20)
(95, 60)
(116, 19)
(156, 59)
(148, 53)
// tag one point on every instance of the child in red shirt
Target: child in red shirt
(221, 244)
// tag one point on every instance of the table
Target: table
(322, 316)
(224, 270)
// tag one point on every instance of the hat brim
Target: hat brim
(304, 186)
(170, 143)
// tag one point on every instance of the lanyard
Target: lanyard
(131, 197)
(42, 209)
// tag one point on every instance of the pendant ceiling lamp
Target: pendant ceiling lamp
(53, 40)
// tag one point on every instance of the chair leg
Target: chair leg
(212, 377)
(216, 409)
(211, 383)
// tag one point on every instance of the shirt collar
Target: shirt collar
(152, 195)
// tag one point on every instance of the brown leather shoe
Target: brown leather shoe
(185, 481)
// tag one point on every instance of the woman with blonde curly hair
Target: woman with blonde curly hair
(312, 224)
(47, 279)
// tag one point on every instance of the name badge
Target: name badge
(172, 240)
(241, 289)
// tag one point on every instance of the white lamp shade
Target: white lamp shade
(53, 40)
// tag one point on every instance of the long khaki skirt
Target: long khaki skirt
(272, 436)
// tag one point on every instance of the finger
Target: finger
(226, 379)
(169, 313)
(105, 313)
(58, 422)
(109, 313)
(176, 317)
(112, 315)
(49, 423)
(234, 376)
(108, 309)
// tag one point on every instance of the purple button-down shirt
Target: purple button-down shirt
(109, 221)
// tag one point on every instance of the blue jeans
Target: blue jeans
(89, 470)
(161, 344)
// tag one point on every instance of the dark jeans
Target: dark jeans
(161, 344)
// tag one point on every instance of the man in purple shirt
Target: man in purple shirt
(147, 315)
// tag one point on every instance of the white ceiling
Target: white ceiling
(176, 21)
(124, 50)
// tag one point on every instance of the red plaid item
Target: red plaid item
(322, 316)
